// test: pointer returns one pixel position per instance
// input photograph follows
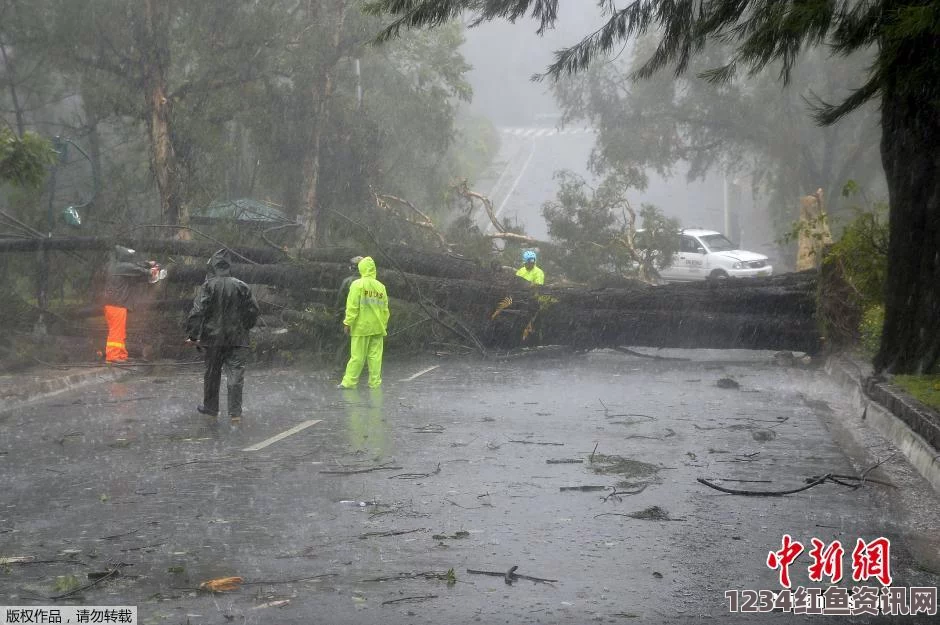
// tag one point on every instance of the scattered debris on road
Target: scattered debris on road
(221, 584)
(382, 467)
(455, 536)
(416, 599)
(535, 443)
(616, 494)
(391, 533)
(416, 476)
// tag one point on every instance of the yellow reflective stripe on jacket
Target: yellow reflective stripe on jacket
(114, 344)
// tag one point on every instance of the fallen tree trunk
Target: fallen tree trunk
(777, 313)
(393, 256)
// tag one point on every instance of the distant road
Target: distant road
(528, 158)
(546, 132)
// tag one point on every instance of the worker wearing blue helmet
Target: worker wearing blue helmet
(529, 271)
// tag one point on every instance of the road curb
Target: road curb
(27, 391)
(911, 426)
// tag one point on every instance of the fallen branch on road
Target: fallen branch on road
(416, 476)
(510, 576)
(765, 493)
(415, 599)
(815, 480)
(536, 443)
(382, 467)
(390, 533)
(440, 575)
(289, 581)
(617, 493)
(860, 480)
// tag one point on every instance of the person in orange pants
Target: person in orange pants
(124, 272)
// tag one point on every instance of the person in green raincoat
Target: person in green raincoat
(529, 271)
(366, 324)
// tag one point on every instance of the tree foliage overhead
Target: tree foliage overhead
(761, 31)
(23, 160)
(750, 126)
(182, 104)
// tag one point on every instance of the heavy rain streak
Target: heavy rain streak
(517, 311)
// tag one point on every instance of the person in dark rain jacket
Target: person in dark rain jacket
(223, 312)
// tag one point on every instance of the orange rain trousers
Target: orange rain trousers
(116, 348)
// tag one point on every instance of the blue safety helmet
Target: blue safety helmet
(528, 255)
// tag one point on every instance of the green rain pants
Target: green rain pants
(362, 350)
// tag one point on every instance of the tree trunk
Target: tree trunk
(14, 97)
(910, 132)
(156, 61)
(321, 90)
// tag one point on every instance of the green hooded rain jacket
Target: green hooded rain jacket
(367, 304)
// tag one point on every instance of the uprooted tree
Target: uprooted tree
(488, 308)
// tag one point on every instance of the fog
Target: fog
(505, 56)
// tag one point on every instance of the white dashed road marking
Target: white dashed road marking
(282, 435)
(547, 132)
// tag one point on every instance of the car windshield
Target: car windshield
(717, 243)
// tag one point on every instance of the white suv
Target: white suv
(708, 255)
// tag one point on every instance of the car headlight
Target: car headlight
(737, 266)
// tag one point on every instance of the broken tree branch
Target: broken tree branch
(617, 493)
(390, 533)
(414, 599)
(416, 476)
(535, 443)
(510, 576)
(382, 467)
(463, 189)
(441, 575)
(381, 201)
(765, 493)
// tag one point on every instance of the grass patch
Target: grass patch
(923, 388)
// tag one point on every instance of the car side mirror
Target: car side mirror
(700, 250)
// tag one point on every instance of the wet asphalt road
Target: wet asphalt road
(128, 474)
